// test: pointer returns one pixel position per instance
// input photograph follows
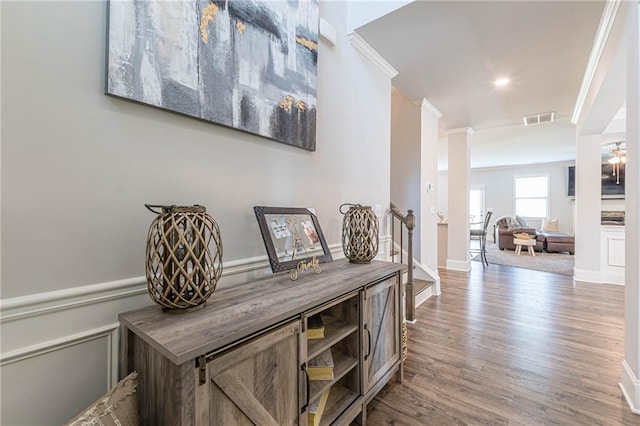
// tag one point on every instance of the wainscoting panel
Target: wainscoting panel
(50, 385)
(612, 254)
(615, 254)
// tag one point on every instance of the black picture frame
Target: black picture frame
(291, 235)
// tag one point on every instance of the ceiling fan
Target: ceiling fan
(617, 158)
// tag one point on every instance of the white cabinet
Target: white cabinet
(612, 252)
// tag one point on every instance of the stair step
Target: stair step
(421, 285)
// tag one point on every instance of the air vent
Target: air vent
(546, 117)
(532, 119)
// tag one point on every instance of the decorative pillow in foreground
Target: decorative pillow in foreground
(118, 407)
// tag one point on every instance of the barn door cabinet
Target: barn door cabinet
(382, 333)
(243, 359)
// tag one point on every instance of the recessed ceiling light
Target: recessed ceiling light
(501, 82)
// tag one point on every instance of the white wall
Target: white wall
(500, 191)
(405, 159)
(630, 377)
(77, 167)
(458, 142)
(587, 207)
(429, 198)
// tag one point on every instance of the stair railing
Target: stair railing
(407, 222)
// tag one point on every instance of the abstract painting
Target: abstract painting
(246, 64)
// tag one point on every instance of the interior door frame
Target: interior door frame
(483, 204)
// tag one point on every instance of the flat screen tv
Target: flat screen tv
(610, 185)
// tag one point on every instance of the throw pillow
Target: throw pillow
(119, 406)
(512, 224)
(549, 226)
(522, 221)
(502, 222)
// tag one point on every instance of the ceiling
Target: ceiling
(455, 50)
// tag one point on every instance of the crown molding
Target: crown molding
(373, 56)
(604, 29)
(468, 130)
(429, 107)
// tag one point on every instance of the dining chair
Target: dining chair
(481, 235)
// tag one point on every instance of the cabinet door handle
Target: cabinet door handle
(366, 357)
(306, 373)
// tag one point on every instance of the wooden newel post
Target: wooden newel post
(410, 293)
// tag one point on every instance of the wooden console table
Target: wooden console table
(243, 358)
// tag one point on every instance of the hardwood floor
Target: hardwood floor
(509, 346)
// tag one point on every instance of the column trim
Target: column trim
(468, 130)
(429, 107)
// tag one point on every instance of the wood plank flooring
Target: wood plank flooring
(508, 346)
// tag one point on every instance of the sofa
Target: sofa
(550, 240)
(506, 226)
(556, 242)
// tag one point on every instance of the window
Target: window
(532, 196)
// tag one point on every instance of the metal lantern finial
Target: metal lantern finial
(182, 270)
(359, 233)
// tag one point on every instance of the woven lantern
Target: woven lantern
(184, 257)
(359, 233)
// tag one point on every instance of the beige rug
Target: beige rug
(557, 263)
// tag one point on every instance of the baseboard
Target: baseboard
(587, 276)
(616, 279)
(630, 386)
(424, 295)
(458, 265)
